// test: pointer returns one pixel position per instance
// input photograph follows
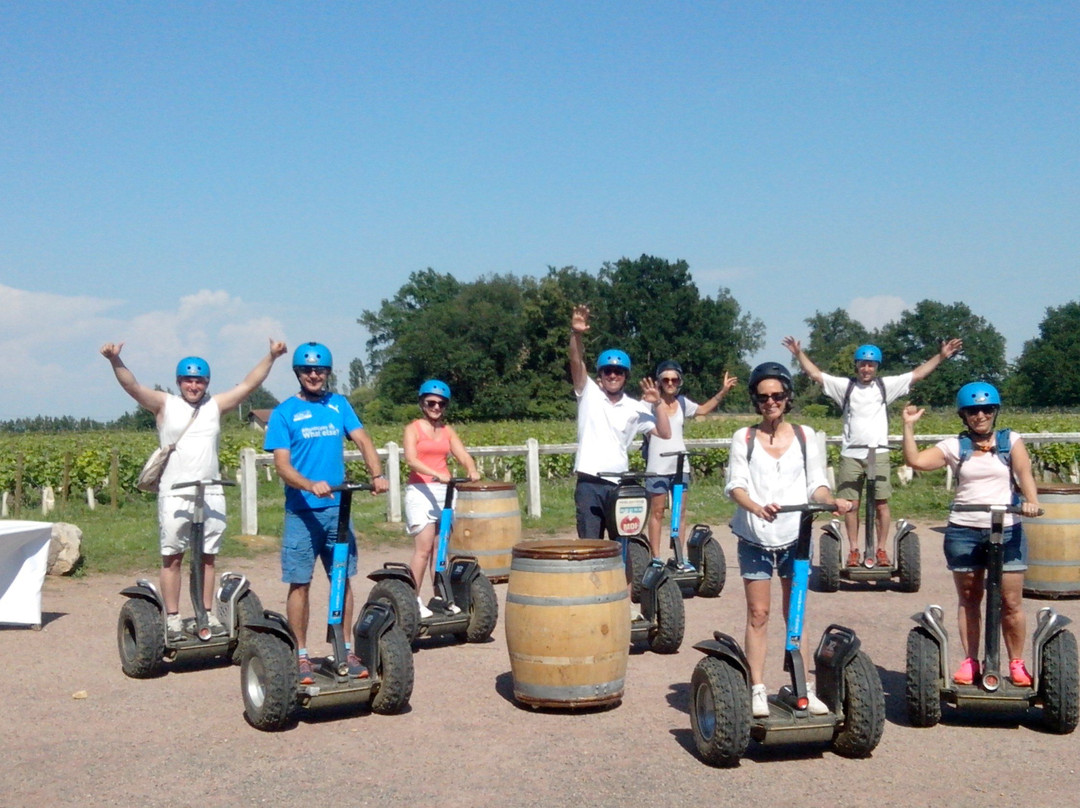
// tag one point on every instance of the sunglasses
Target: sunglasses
(316, 370)
(762, 398)
(985, 409)
(433, 403)
(670, 380)
(612, 370)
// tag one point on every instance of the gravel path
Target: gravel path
(182, 739)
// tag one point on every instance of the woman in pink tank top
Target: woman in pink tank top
(429, 442)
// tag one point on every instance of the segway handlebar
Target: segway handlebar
(352, 487)
(808, 507)
(1014, 509)
(686, 452)
(203, 483)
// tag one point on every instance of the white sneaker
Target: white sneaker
(174, 625)
(817, 706)
(212, 619)
(635, 613)
(425, 612)
(759, 701)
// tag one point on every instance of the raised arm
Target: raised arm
(153, 400)
(579, 324)
(231, 399)
(927, 459)
(708, 406)
(651, 396)
(809, 368)
(947, 349)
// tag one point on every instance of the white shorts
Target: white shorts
(174, 517)
(423, 504)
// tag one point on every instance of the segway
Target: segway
(702, 570)
(663, 618)
(906, 558)
(1054, 674)
(145, 644)
(847, 681)
(464, 604)
(269, 677)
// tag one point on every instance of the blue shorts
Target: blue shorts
(757, 563)
(308, 534)
(966, 548)
(664, 484)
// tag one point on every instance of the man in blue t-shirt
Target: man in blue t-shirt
(306, 434)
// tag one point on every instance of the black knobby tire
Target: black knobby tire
(667, 636)
(864, 709)
(268, 681)
(719, 712)
(923, 687)
(713, 570)
(249, 609)
(909, 563)
(638, 558)
(140, 636)
(483, 610)
(395, 673)
(1058, 683)
(400, 597)
(829, 562)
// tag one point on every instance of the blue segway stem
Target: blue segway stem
(797, 607)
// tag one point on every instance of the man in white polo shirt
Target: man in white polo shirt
(608, 420)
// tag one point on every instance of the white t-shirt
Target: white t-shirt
(866, 419)
(196, 455)
(984, 480)
(769, 479)
(657, 445)
(605, 429)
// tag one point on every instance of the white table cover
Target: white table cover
(24, 556)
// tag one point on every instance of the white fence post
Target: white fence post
(532, 475)
(393, 477)
(249, 493)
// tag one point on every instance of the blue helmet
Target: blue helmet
(436, 388)
(193, 366)
(312, 355)
(613, 358)
(974, 393)
(868, 353)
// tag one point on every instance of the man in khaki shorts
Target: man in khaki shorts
(864, 401)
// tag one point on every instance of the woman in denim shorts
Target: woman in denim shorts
(982, 479)
(776, 473)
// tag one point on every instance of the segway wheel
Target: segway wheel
(400, 597)
(249, 609)
(923, 689)
(667, 636)
(1058, 683)
(909, 563)
(140, 635)
(483, 611)
(268, 681)
(713, 569)
(864, 709)
(719, 712)
(638, 558)
(829, 562)
(395, 673)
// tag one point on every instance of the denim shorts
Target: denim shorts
(308, 534)
(966, 548)
(757, 563)
(664, 484)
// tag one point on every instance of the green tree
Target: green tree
(918, 335)
(357, 374)
(1048, 370)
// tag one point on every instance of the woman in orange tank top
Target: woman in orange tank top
(429, 441)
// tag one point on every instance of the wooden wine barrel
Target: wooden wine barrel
(487, 524)
(1054, 544)
(568, 623)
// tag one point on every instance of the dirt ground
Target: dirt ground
(182, 739)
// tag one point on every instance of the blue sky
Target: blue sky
(197, 177)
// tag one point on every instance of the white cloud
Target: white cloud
(874, 312)
(49, 348)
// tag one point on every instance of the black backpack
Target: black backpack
(851, 386)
